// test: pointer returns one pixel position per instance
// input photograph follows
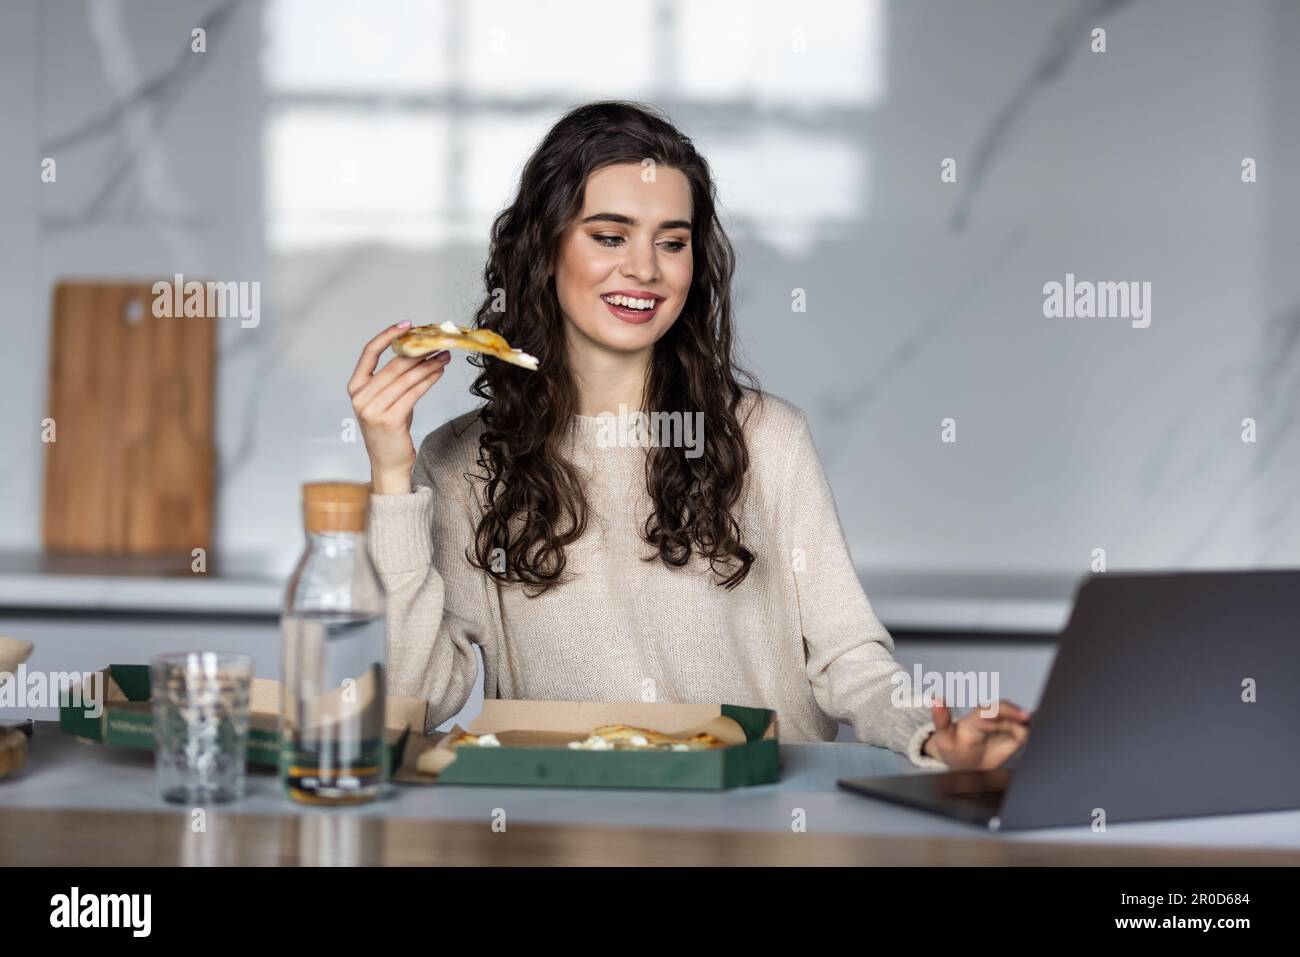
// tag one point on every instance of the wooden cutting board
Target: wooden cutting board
(131, 467)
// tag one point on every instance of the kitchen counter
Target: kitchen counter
(78, 803)
(904, 601)
(34, 581)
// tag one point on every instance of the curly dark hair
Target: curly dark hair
(534, 500)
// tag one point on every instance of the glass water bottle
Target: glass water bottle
(332, 747)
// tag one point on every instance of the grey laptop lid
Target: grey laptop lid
(1147, 711)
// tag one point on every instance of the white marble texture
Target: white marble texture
(1072, 434)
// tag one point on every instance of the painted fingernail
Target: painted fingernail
(404, 324)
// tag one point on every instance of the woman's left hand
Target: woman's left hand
(975, 742)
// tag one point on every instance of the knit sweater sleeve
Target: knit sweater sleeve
(438, 606)
(848, 652)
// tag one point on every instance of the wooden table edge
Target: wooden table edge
(132, 838)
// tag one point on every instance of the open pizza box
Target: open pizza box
(127, 718)
(534, 747)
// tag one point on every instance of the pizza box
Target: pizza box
(534, 748)
(127, 718)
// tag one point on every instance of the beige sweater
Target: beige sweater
(797, 635)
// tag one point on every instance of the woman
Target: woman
(703, 565)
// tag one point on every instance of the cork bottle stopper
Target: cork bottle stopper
(335, 506)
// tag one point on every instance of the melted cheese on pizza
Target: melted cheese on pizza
(422, 340)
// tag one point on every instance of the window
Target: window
(407, 122)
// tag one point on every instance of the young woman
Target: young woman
(589, 568)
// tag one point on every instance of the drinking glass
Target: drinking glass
(200, 724)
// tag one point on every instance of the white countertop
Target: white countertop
(904, 601)
(31, 581)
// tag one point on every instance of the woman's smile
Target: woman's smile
(632, 305)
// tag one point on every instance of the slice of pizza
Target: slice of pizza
(622, 737)
(469, 739)
(13, 750)
(422, 340)
(609, 737)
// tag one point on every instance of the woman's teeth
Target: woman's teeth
(627, 303)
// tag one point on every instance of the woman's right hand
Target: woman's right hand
(384, 403)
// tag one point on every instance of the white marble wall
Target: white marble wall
(158, 172)
(924, 298)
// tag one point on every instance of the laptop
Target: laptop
(1147, 713)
